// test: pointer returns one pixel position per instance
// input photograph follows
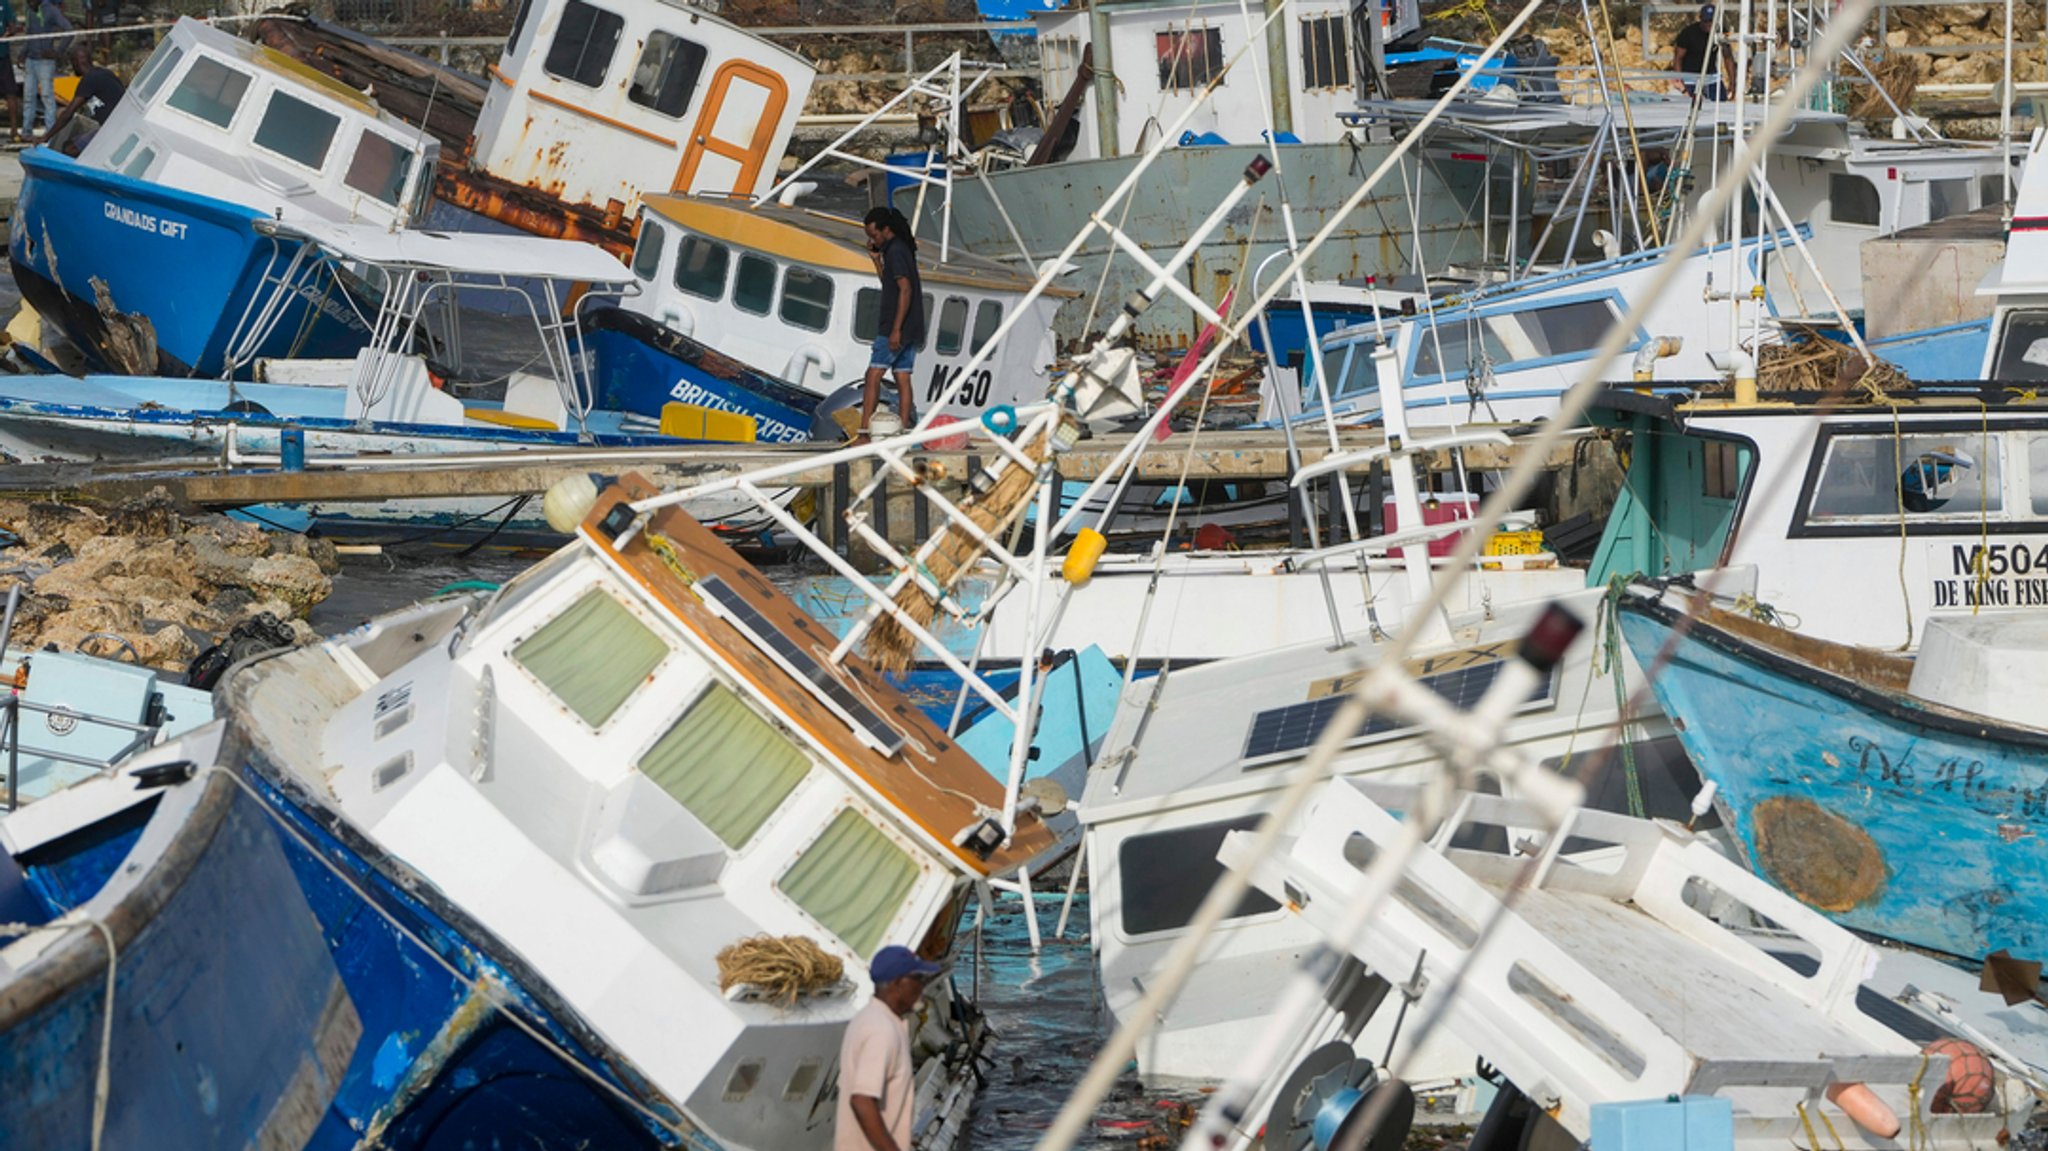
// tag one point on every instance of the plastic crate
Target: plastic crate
(1515, 543)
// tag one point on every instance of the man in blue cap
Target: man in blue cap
(875, 1087)
(1695, 56)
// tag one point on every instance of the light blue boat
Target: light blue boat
(1903, 798)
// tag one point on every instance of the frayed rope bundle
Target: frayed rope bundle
(1818, 365)
(782, 966)
(889, 643)
(1898, 77)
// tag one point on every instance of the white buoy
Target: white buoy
(568, 502)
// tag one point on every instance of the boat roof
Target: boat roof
(264, 56)
(1201, 739)
(824, 240)
(1980, 398)
(931, 781)
(472, 253)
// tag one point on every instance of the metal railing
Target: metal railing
(10, 724)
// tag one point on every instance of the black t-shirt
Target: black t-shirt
(98, 92)
(899, 262)
(1694, 44)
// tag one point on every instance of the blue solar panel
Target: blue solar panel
(830, 689)
(1284, 731)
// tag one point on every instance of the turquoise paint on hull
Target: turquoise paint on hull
(1958, 816)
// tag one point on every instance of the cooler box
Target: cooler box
(1437, 509)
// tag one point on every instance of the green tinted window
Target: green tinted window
(729, 766)
(592, 656)
(853, 880)
(211, 91)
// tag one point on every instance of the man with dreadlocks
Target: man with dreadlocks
(900, 325)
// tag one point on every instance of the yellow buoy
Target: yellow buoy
(1089, 545)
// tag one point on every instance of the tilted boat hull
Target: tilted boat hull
(639, 366)
(190, 269)
(212, 1044)
(1893, 816)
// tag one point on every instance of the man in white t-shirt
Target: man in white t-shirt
(875, 1088)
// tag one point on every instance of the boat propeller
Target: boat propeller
(1336, 1100)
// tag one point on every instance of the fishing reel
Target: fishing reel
(1336, 1100)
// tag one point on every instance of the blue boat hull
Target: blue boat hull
(212, 1045)
(449, 1061)
(189, 267)
(1892, 816)
(638, 366)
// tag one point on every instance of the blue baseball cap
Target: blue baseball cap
(896, 961)
(1706, 12)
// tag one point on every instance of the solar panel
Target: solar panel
(831, 691)
(1283, 731)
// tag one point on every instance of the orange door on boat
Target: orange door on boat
(729, 146)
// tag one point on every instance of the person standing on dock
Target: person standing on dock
(1695, 56)
(876, 1091)
(46, 20)
(900, 324)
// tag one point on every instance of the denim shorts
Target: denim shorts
(881, 357)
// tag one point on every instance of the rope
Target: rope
(1918, 1138)
(1610, 655)
(101, 1081)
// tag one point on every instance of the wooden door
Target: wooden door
(728, 148)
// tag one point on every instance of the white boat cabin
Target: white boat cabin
(631, 757)
(2018, 349)
(794, 293)
(1860, 519)
(1152, 58)
(599, 103)
(218, 116)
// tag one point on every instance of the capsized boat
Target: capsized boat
(1900, 796)
(533, 822)
(1605, 985)
(144, 251)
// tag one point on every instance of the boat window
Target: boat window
(1990, 190)
(1454, 335)
(379, 167)
(296, 130)
(2037, 473)
(1852, 200)
(852, 881)
(807, 299)
(1947, 198)
(666, 76)
(647, 251)
(1568, 329)
(1188, 57)
(518, 24)
(584, 42)
(727, 765)
(1880, 475)
(140, 163)
(1325, 55)
(592, 656)
(952, 325)
(753, 286)
(211, 91)
(987, 316)
(161, 63)
(1163, 876)
(701, 266)
(2023, 346)
(121, 153)
(867, 314)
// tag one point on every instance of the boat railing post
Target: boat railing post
(842, 495)
(881, 488)
(13, 750)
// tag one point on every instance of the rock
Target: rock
(47, 523)
(152, 515)
(320, 551)
(294, 580)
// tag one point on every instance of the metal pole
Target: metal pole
(13, 750)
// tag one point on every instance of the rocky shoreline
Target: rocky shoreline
(165, 584)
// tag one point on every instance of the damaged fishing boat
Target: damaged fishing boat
(533, 824)
(144, 251)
